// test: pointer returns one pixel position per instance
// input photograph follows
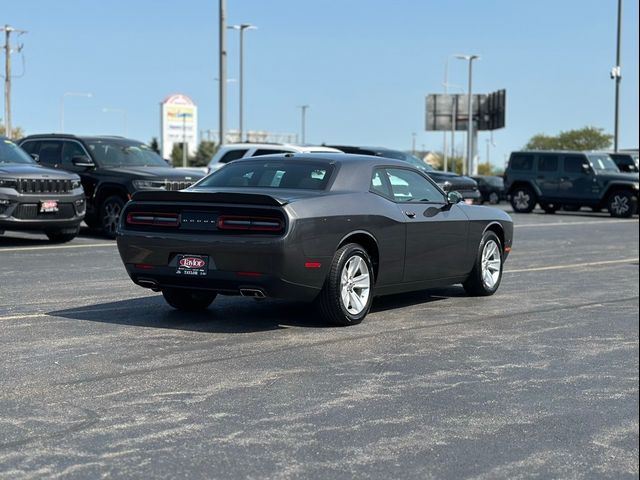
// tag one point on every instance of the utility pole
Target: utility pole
(468, 166)
(8, 30)
(616, 74)
(223, 71)
(303, 121)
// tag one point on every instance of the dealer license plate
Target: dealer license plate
(192, 265)
(48, 206)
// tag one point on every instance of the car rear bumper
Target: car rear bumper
(273, 266)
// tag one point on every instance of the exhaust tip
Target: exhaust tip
(148, 283)
(252, 292)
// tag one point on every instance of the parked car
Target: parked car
(36, 198)
(448, 181)
(491, 188)
(235, 151)
(571, 179)
(626, 161)
(335, 228)
(111, 169)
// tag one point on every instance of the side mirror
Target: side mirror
(82, 161)
(35, 157)
(446, 186)
(586, 168)
(454, 197)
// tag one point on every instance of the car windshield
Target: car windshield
(406, 157)
(11, 153)
(603, 162)
(114, 153)
(271, 174)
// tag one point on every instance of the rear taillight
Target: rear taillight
(153, 218)
(250, 223)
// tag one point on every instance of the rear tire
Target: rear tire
(486, 275)
(110, 211)
(63, 235)
(347, 293)
(523, 199)
(550, 208)
(188, 300)
(622, 204)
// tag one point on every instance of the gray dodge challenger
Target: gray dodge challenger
(337, 229)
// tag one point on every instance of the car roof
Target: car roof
(339, 158)
(559, 152)
(68, 136)
(279, 146)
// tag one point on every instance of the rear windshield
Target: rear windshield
(271, 174)
(11, 153)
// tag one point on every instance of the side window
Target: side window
(573, 163)
(378, 184)
(408, 186)
(50, 153)
(265, 151)
(548, 163)
(521, 162)
(233, 155)
(31, 147)
(70, 150)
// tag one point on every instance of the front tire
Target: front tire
(523, 199)
(494, 198)
(486, 275)
(63, 235)
(188, 300)
(622, 204)
(347, 293)
(110, 215)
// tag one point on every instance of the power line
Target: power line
(8, 30)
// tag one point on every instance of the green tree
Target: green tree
(176, 155)
(205, 151)
(153, 144)
(16, 132)
(587, 138)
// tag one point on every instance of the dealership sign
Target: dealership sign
(179, 124)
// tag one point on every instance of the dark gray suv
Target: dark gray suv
(36, 198)
(571, 180)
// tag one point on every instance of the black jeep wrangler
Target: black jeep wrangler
(111, 169)
(571, 180)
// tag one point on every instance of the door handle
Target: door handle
(410, 214)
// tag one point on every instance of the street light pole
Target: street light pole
(616, 74)
(468, 165)
(69, 94)
(303, 112)
(241, 28)
(222, 58)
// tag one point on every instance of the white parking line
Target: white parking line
(562, 224)
(27, 315)
(573, 265)
(57, 247)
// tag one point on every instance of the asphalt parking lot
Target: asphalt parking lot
(101, 378)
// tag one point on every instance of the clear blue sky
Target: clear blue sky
(364, 66)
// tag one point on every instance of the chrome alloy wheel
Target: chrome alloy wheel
(111, 216)
(491, 263)
(355, 285)
(522, 200)
(620, 205)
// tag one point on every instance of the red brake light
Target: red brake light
(241, 222)
(153, 218)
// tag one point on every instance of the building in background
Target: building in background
(178, 124)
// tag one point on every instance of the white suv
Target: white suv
(234, 151)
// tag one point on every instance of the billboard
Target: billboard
(178, 124)
(447, 112)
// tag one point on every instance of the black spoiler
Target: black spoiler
(206, 197)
